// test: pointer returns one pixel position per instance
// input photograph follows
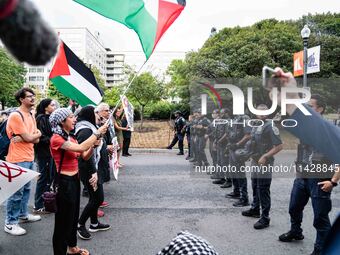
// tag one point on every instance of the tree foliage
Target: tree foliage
(12, 77)
(241, 52)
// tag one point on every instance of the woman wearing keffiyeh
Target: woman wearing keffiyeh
(65, 150)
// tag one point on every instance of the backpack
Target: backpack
(4, 139)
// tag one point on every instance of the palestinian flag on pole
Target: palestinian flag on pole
(74, 79)
(148, 18)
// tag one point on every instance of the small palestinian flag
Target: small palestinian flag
(74, 79)
(148, 18)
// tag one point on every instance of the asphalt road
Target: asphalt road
(157, 196)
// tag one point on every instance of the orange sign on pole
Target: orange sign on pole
(298, 63)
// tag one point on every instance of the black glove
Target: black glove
(25, 34)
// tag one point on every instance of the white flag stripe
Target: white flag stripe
(12, 178)
(152, 7)
(81, 84)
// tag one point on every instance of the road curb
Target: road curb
(175, 151)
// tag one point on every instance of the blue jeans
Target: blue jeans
(46, 169)
(17, 203)
(303, 189)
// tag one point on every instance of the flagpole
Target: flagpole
(125, 91)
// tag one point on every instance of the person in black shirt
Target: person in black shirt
(43, 156)
(88, 168)
(126, 137)
(178, 133)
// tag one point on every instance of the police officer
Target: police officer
(222, 152)
(179, 133)
(193, 134)
(267, 143)
(211, 135)
(187, 129)
(201, 130)
(238, 135)
(309, 185)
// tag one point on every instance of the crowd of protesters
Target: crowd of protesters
(68, 149)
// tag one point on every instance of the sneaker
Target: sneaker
(289, 237)
(99, 227)
(241, 203)
(100, 213)
(83, 233)
(251, 213)
(180, 153)
(14, 230)
(30, 218)
(261, 224)
(104, 204)
(40, 211)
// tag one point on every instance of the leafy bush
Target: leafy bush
(163, 109)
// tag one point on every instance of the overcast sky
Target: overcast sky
(191, 29)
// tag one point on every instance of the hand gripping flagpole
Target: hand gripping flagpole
(125, 91)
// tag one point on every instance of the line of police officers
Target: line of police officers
(232, 142)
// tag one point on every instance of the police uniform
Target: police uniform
(237, 130)
(179, 136)
(306, 186)
(265, 138)
(211, 133)
(202, 126)
(188, 135)
(193, 140)
(222, 154)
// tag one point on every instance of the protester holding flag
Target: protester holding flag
(22, 130)
(44, 158)
(103, 110)
(89, 174)
(65, 151)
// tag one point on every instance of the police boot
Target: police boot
(219, 181)
(233, 195)
(241, 203)
(290, 236)
(226, 185)
(316, 252)
(251, 213)
(261, 224)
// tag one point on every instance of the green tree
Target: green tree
(145, 89)
(241, 52)
(99, 78)
(12, 77)
(53, 93)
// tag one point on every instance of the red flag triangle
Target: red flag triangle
(60, 66)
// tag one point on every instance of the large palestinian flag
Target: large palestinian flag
(148, 18)
(74, 79)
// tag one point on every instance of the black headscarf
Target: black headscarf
(87, 114)
(42, 106)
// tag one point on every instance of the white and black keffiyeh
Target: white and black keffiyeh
(186, 243)
(57, 117)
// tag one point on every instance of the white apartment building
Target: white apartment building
(114, 68)
(90, 50)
